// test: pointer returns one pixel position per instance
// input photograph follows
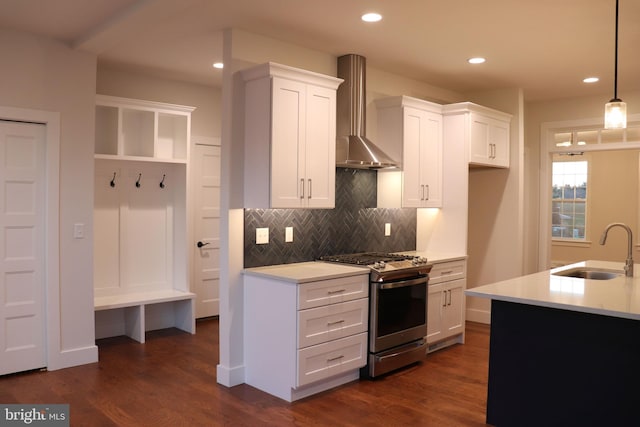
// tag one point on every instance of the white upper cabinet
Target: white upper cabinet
(290, 138)
(488, 133)
(132, 129)
(410, 131)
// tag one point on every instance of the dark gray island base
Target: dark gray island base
(554, 367)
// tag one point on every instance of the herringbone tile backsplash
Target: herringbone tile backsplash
(355, 225)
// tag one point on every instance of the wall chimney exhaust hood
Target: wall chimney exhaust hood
(353, 149)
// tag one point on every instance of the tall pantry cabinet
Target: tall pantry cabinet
(141, 255)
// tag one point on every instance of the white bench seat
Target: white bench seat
(133, 314)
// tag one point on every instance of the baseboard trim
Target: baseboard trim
(480, 316)
(230, 377)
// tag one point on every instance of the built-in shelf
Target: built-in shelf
(132, 129)
(141, 256)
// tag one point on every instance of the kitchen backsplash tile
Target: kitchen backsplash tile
(355, 225)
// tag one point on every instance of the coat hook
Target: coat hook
(162, 182)
(113, 181)
(138, 181)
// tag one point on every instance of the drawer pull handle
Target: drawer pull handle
(337, 322)
(337, 291)
(333, 359)
(446, 272)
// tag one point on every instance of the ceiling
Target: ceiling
(545, 47)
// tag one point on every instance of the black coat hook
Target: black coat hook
(162, 182)
(138, 181)
(113, 180)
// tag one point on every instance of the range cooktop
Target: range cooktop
(384, 266)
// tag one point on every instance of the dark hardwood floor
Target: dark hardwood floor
(171, 381)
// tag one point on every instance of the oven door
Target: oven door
(398, 313)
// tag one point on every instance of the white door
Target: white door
(206, 165)
(22, 246)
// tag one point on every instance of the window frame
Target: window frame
(583, 157)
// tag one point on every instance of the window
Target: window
(569, 200)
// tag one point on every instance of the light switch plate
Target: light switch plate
(288, 234)
(262, 236)
(78, 231)
(387, 229)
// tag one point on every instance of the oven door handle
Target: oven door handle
(412, 282)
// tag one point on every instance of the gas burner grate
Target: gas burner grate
(365, 258)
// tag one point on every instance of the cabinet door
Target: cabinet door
(411, 185)
(453, 321)
(479, 149)
(287, 143)
(499, 137)
(431, 160)
(422, 159)
(320, 148)
(435, 307)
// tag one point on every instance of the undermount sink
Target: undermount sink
(589, 273)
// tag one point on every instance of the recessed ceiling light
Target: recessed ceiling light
(590, 80)
(371, 17)
(476, 60)
(218, 65)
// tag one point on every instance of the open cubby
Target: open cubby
(142, 130)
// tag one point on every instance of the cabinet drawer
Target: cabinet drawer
(316, 294)
(326, 323)
(446, 271)
(334, 357)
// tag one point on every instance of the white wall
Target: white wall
(496, 209)
(538, 113)
(44, 75)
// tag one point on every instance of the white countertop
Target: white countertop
(435, 256)
(312, 271)
(303, 272)
(618, 297)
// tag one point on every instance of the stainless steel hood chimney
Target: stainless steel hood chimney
(353, 149)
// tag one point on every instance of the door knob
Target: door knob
(200, 244)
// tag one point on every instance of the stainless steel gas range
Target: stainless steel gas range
(397, 308)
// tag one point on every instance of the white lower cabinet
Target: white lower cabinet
(446, 308)
(304, 338)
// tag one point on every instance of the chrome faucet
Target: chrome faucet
(628, 264)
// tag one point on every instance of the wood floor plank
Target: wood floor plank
(170, 381)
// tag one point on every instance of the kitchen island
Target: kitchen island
(564, 350)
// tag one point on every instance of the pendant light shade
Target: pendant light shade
(615, 111)
(615, 114)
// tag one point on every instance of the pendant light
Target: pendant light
(615, 111)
